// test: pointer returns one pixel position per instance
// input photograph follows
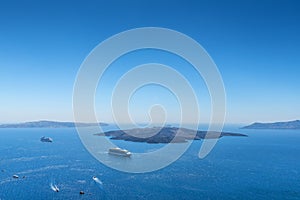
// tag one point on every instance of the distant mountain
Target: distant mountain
(163, 135)
(276, 125)
(49, 124)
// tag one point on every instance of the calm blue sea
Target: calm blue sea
(265, 165)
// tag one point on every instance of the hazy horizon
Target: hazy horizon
(143, 123)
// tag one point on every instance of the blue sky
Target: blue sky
(255, 45)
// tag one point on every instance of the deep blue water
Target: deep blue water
(265, 165)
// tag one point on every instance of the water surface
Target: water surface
(264, 165)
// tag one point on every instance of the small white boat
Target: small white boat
(54, 188)
(97, 180)
(119, 152)
(15, 176)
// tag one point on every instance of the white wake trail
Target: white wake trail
(54, 187)
(98, 181)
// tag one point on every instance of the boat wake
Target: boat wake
(98, 181)
(51, 167)
(54, 187)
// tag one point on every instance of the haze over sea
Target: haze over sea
(264, 165)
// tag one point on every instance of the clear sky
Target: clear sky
(255, 44)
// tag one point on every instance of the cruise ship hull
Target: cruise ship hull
(119, 152)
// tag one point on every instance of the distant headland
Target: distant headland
(163, 135)
(50, 124)
(276, 125)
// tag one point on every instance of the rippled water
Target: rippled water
(265, 165)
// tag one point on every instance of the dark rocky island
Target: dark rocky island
(163, 135)
(276, 125)
(49, 124)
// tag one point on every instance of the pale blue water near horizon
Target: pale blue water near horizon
(264, 165)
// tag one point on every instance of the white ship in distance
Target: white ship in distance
(119, 152)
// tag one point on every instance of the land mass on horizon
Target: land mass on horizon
(275, 125)
(50, 124)
(164, 135)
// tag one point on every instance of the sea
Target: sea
(264, 165)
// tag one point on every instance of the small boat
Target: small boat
(46, 139)
(97, 180)
(15, 176)
(54, 188)
(119, 152)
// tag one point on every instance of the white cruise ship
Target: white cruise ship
(119, 152)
